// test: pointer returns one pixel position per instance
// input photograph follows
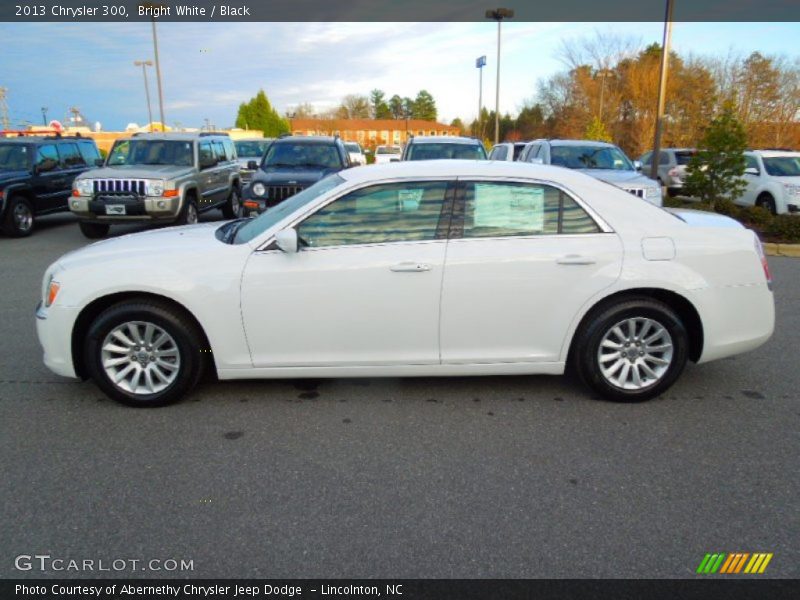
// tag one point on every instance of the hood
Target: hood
(159, 245)
(138, 172)
(618, 177)
(701, 218)
(290, 176)
(11, 176)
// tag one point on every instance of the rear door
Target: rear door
(522, 261)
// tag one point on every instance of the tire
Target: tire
(189, 214)
(94, 231)
(768, 202)
(599, 335)
(232, 208)
(19, 218)
(174, 363)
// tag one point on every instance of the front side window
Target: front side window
(380, 214)
(520, 209)
(70, 156)
(47, 157)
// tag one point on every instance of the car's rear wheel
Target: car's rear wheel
(232, 209)
(19, 217)
(768, 202)
(631, 351)
(94, 231)
(144, 353)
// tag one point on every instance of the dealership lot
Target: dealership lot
(463, 477)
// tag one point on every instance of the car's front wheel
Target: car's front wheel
(632, 351)
(144, 353)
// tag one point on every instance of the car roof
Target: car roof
(448, 139)
(460, 168)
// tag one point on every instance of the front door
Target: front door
(364, 288)
(522, 261)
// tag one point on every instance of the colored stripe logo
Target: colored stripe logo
(734, 563)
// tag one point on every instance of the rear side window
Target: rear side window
(519, 209)
(70, 156)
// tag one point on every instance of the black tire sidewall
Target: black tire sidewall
(188, 346)
(586, 356)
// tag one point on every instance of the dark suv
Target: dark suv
(438, 147)
(36, 175)
(291, 164)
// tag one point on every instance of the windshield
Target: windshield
(324, 156)
(783, 166)
(264, 221)
(388, 150)
(251, 149)
(590, 157)
(13, 157)
(151, 152)
(446, 150)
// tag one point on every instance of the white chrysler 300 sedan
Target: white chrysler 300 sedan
(414, 269)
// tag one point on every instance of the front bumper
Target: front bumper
(54, 329)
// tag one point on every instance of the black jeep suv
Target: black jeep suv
(36, 175)
(291, 164)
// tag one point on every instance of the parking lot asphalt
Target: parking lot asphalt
(423, 477)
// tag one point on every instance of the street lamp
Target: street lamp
(498, 15)
(153, 5)
(144, 64)
(480, 62)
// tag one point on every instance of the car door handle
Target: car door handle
(410, 267)
(575, 259)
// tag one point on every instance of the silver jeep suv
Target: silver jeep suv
(158, 178)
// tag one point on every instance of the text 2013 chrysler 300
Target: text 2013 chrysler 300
(414, 269)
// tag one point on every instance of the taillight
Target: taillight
(763, 257)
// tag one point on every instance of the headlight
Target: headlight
(653, 192)
(155, 187)
(85, 187)
(259, 189)
(792, 189)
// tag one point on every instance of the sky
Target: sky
(208, 69)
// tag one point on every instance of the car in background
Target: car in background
(672, 165)
(443, 147)
(417, 269)
(290, 165)
(248, 149)
(507, 151)
(773, 181)
(158, 178)
(356, 153)
(601, 160)
(387, 154)
(36, 175)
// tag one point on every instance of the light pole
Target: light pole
(480, 62)
(498, 15)
(662, 91)
(144, 64)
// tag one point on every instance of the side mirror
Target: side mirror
(287, 240)
(637, 164)
(99, 162)
(252, 165)
(751, 171)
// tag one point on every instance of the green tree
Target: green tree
(424, 106)
(380, 109)
(597, 131)
(715, 172)
(259, 114)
